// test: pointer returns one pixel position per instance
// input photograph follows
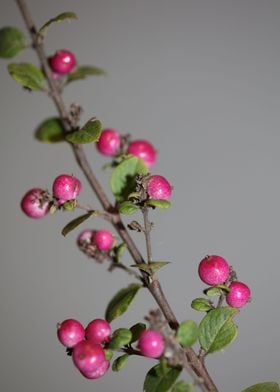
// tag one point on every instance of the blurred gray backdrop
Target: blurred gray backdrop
(201, 80)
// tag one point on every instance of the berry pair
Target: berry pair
(102, 239)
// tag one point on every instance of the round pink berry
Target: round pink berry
(213, 270)
(144, 150)
(34, 205)
(88, 356)
(66, 187)
(85, 237)
(103, 239)
(98, 331)
(70, 332)
(151, 343)
(239, 295)
(62, 62)
(158, 188)
(99, 372)
(109, 142)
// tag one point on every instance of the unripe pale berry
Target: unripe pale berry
(98, 331)
(99, 372)
(151, 343)
(70, 332)
(62, 62)
(109, 142)
(144, 150)
(213, 270)
(85, 237)
(32, 204)
(88, 356)
(66, 187)
(239, 294)
(158, 188)
(103, 239)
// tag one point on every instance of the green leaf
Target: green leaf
(223, 287)
(152, 266)
(28, 75)
(120, 362)
(12, 42)
(121, 337)
(121, 301)
(59, 18)
(217, 330)
(201, 304)
(83, 71)
(76, 222)
(136, 331)
(128, 208)
(263, 387)
(160, 380)
(123, 177)
(182, 386)
(119, 251)
(108, 354)
(50, 131)
(212, 291)
(187, 333)
(158, 203)
(89, 133)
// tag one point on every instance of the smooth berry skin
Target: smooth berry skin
(85, 237)
(239, 295)
(151, 343)
(99, 372)
(98, 331)
(32, 206)
(70, 332)
(66, 187)
(103, 239)
(158, 188)
(144, 150)
(109, 142)
(88, 356)
(62, 62)
(213, 270)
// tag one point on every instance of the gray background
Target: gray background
(200, 79)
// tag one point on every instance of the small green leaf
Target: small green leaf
(158, 203)
(121, 337)
(123, 177)
(83, 71)
(121, 301)
(187, 333)
(160, 380)
(65, 16)
(201, 304)
(120, 362)
(76, 222)
(136, 331)
(212, 291)
(223, 287)
(50, 131)
(89, 133)
(134, 195)
(152, 266)
(128, 208)
(108, 354)
(70, 205)
(119, 251)
(12, 42)
(28, 75)
(263, 387)
(182, 386)
(217, 330)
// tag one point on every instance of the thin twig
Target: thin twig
(147, 232)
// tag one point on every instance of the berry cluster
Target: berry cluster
(215, 270)
(103, 240)
(85, 345)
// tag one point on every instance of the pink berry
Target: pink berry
(99, 372)
(62, 62)
(151, 343)
(66, 187)
(98, 331)
(85, 237)
(109, 142)
(88, 356)
(70, 332)
(239, 295)
(158, 188)
(103, 239)
(213, 270)
(33, 204)
(144, 150)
